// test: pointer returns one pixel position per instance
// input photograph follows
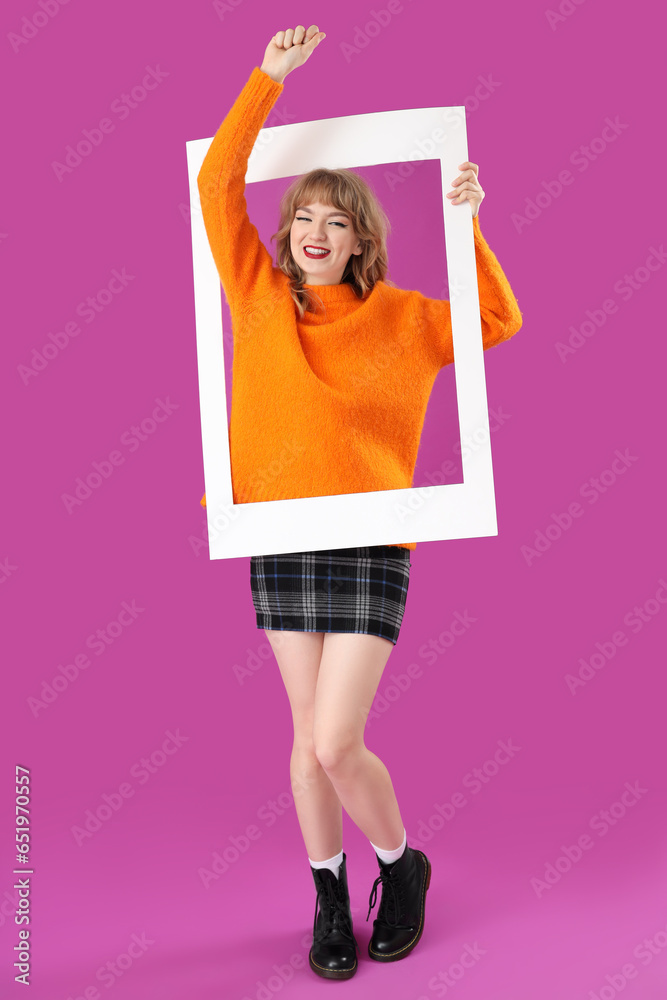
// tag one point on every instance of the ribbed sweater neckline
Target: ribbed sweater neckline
(342, 292)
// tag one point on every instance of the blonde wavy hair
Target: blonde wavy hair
(348, 192)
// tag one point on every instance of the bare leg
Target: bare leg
(349, 673)
(317, 805)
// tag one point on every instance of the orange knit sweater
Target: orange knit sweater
(333, 403)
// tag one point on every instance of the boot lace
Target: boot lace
(393, 897)
(334, 905)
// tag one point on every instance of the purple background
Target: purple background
(140, 536)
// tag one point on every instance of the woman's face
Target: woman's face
(322, 226)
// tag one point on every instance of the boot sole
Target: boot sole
(395, 956)
(332, 973)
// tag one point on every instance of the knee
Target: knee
(304, 758)
(335, 752)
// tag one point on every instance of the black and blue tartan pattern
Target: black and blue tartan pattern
(359, 589)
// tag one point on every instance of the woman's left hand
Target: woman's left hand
(467, 187)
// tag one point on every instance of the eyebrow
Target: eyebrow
(304, 208)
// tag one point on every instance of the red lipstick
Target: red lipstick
(316, 256)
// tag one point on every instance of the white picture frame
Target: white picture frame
(421, 514)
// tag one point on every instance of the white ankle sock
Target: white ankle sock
(389, 856)
(332, 863)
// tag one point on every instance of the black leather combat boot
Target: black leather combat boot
(334, 951)
(400, 920)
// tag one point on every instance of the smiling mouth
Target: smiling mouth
(316, 253)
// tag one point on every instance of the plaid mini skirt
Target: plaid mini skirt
(361, 590)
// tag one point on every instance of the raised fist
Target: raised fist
(289, 49)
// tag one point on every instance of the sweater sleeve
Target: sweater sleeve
(499, 310)
(243, 262)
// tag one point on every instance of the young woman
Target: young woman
(333, 366)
